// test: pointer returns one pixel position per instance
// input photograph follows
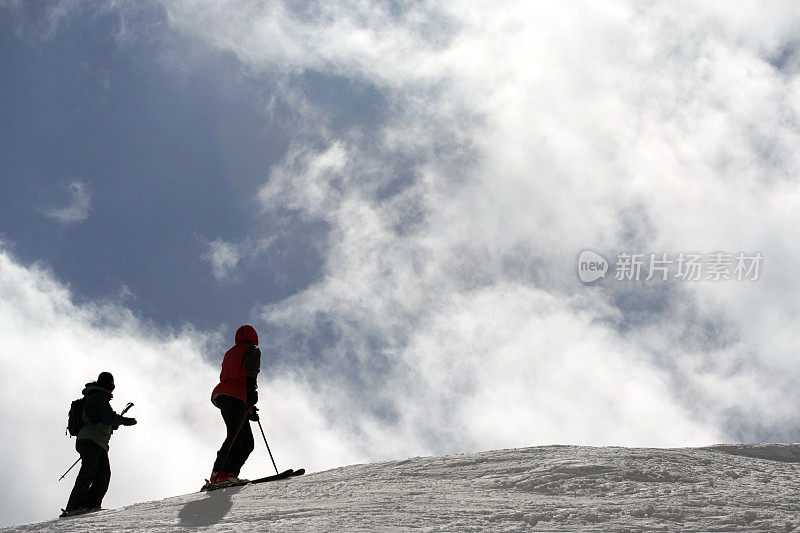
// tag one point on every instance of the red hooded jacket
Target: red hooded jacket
(241, 362)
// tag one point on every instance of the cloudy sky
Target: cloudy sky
(395, 194)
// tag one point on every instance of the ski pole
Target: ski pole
(265, 442)
(230, 446)
(127, 407)
(70, 468)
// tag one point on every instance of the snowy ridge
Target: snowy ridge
(549, 488)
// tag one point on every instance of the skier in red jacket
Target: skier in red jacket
(236, 397)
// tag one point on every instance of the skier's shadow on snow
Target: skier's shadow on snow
(208, 511)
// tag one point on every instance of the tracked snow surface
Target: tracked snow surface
(550, 488)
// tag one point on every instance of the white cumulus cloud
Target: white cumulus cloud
(52, 346)
(77, 208)
(532, 132)
(223, 257)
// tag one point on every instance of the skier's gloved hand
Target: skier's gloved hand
(253, 416)
(128, 421)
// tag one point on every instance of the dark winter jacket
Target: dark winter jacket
(99, 419)
(240, 368)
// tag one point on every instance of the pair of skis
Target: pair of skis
(78, 512)
(278, 475)
(283, 475)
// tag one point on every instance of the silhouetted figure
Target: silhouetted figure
(99, 421)
(236, 397)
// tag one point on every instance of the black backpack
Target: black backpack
(75, 417)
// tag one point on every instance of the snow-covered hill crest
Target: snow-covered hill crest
(549, 488)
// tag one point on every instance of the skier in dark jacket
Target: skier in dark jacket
(236, 397)
(99, 421)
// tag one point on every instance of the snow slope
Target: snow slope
(551, 488)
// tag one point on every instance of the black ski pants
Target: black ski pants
(91, 484)
(233, 413)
